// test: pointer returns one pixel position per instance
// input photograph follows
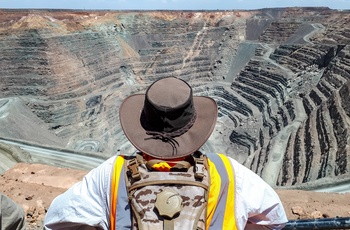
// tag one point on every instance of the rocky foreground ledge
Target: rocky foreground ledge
(34, 186)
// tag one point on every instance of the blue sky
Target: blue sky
(170, 4)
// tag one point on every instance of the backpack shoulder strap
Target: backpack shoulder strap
(201, 165)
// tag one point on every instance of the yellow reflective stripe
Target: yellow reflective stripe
(229, 221)
(214, 192)
(118, 166)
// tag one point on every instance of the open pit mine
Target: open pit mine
(279, 76)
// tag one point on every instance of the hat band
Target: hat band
(166, 119)
(169, 135)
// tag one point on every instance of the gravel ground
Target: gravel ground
(34, 186)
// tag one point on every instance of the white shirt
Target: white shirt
(87, 203)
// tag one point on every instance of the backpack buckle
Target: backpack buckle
(199, 168)
(133, 168)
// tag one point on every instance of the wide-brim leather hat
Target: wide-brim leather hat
(168, 121)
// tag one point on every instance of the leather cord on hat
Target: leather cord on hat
(164, 137)
(170, 136)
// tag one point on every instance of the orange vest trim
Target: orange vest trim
(117, 168)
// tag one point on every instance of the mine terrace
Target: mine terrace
(279, 76)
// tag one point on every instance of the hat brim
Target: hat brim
(189, 142)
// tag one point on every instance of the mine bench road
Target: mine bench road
(83, 161)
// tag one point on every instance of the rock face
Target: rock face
(280, 78)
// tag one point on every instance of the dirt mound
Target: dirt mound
(34, 186)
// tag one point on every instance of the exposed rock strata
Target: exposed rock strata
(279, 76)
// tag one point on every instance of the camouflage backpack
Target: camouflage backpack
(168, 200)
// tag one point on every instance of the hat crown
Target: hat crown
(168, 121)
(168, 106)
(169, 93)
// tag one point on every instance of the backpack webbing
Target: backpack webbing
(168, 200)
(220, 210)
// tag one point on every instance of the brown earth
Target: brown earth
(279, 76)
(34, 186)
(282, 86)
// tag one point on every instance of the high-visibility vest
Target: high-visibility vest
(221, 202)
